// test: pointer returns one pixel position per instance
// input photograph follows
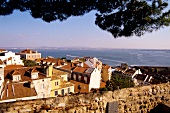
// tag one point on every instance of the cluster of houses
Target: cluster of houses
(144, 75)
(52, 77)
(57, 76)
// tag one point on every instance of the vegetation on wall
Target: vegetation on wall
(118, 82)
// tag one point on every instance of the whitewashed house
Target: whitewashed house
(85, 79)
(10, 58)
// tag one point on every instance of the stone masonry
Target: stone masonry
(128, 100)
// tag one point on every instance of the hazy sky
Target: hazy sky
(22, 30)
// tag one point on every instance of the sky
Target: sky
(22, 30)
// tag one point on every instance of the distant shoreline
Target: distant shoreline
(79, 48)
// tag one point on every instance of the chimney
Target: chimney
(82, 64)
(32, 85)
(49, 71)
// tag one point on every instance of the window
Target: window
(56, 93)
(68, 90)
(74, 76)
(79, 77)
(56, 83)
(85, 79)
(43, 95)
(34, 75)
(16, 78)
(43, 86)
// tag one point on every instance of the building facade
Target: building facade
(10, 58)
(29, 54)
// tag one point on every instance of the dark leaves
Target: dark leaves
(119, 17)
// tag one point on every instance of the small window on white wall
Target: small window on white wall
(16, 78)
(79, 77)
(74, 76)
(85, 79)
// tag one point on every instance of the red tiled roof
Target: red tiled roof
(17, 90)
(25, 73)
(85, 65)
(1, 50)
(34, 70)
(13, 67)
(53, 60)
(80, 69)
(67, 67)
(102, 84)
(39, 59)
(105, 66)
(15, 73)
(27, 51)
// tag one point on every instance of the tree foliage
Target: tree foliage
(119, 82)
(119, 17)
(29, 63)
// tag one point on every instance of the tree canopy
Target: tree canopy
(119, 17)
(119, 82)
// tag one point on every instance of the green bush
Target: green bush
(29, 63)
(119, 82)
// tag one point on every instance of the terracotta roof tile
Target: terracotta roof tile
(1, 50)
(105, 66)
(27, 51)
(102, 84)
(34, 70)
(59, 72)
(13, 67)
(80, 69)
(25, 73)
(15, 73)
(17, 90)
(10, 58)
(67, 67)
(39, 59)
(85, 65)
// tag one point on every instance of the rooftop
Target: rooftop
(17, 90)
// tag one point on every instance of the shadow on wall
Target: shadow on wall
(160, 108)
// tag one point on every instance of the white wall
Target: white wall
(95, 79)
(42, 87)
(24, 98)
(1, 75)
(136, 72)
(15, 58)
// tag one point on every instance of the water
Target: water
(115, 57)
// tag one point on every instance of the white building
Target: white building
(29, 54)
(10, 58)
(93, 62)
(85, 79)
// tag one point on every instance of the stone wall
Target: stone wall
(135, 100)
